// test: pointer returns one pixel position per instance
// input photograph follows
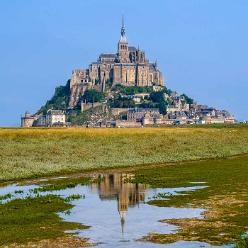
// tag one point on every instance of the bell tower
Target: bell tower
(123, 53)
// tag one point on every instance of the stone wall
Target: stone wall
(121, 123)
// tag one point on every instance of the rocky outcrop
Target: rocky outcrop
(77, 90)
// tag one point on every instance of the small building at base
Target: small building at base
(55, 118)
(52, 118)
(27, 120)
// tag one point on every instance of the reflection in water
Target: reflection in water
(115, 186)
(112, 204)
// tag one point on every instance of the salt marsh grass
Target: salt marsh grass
(29, 153)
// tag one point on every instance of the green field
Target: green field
(29, 153)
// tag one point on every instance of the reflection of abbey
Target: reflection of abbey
(127, 194)
(129, 67)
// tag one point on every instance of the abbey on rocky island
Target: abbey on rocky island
(128, 67)
(121, 89)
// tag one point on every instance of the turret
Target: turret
(123, 53)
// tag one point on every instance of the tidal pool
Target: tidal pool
(117, 213)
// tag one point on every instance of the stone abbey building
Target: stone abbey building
(118, 108)
(129, 67)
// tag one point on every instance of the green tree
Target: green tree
(131, 90)
(159, 99)
(122, 102)
(79, 118)
(167, 91)
(157, 96)
(92, 96)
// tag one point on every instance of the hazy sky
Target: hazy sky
(200, 45)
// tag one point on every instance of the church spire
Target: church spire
(123, 53)
(123, 31)
(122, 27)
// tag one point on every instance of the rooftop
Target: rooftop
(55, 112)
(107, 55)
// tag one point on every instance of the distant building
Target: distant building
(27, 120)
(138, 114)
(40, 121)
(230, 119)
(178, 104)
(119, 111)
(55, 118)
(123, 123)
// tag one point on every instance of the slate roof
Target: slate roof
(108, 55)
(132, 49)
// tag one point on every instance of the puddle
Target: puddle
(117, 211)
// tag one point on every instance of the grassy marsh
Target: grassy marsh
(225, 199)
(30, 153)
(33, 153)
(34, 219)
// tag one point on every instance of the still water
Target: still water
(118, 214)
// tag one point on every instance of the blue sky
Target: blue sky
(200, 46)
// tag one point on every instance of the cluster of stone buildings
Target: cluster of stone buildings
(177, 112)
(183, 112)
(53, 118)
(129, 67)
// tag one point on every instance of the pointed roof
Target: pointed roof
(123, 38)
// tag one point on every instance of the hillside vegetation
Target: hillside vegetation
(117, 96)
(59, 100)
(29, 153)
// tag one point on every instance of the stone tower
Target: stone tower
(123, 53)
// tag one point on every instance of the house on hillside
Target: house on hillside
(55, 118)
